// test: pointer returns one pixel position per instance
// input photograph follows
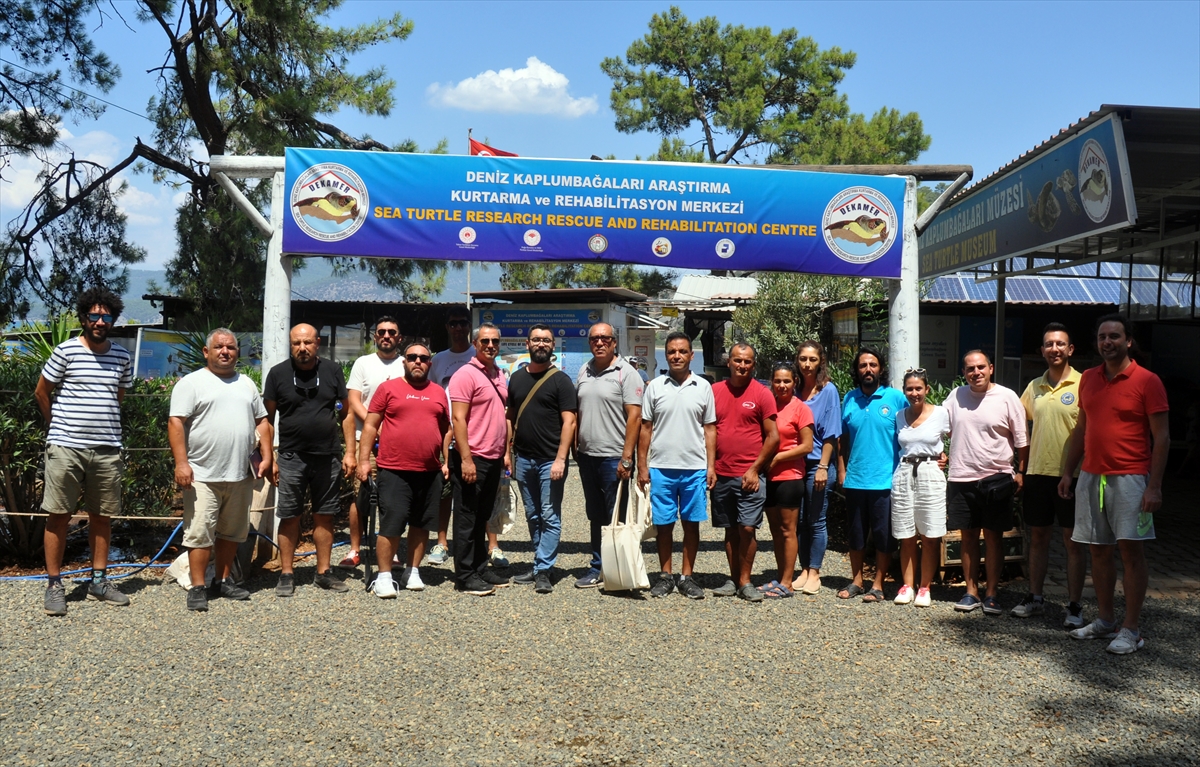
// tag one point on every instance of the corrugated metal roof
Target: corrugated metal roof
(705, 287)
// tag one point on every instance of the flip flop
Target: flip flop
(873, 596)
(851, 591)
(777, 591)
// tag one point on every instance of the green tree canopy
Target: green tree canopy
(651, 282)
(752, 94)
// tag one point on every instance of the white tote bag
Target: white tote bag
(621, 541)
(504, 512)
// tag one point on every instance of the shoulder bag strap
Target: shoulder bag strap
(549, 373)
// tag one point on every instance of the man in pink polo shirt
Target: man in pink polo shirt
(1123, 438)
(478, 395)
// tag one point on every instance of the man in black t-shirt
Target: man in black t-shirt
(542, 430)
(309, 393)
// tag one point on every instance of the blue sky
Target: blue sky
(990, 80)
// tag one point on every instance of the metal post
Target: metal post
(904, 296)
(998, 357)
(277, 291)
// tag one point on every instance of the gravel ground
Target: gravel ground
(583, 678)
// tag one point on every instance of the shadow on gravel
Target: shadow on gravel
(1148, 697)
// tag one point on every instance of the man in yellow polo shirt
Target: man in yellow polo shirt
(1052, 408)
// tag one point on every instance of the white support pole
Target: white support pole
(277, 291)
(904, 299)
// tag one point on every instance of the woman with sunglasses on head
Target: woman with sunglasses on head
(919, 486)
(785, 476)
(819, 394)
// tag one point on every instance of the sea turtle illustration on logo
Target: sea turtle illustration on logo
(1095, 187)
(335, 207)
(864, 229)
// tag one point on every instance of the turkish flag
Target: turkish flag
(480, 148)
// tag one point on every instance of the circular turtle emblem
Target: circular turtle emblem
(329, 202)
(859, 225)
(1095, 181)
(1067, 398)
(597, 243)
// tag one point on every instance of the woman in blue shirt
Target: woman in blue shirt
(820, 470)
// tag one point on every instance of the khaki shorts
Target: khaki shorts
(91, 473)
(220, 508)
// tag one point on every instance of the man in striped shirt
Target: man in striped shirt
(83, 448)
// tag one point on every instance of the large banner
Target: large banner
(379, 204)
(1079, 188)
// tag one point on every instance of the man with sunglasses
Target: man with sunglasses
(410, 416)
(445, 364)
(309, 394)
(478, 397)
(367, 374)
(541, 422)
(83, 447)
(609, 391)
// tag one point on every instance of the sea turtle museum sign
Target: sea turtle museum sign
(1078, 188)
(380, 204)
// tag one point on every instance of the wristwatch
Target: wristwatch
(626, 464)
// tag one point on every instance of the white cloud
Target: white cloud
(536, 89)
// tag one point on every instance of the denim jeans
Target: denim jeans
(543, 508)
(811, 529)
(600, 486)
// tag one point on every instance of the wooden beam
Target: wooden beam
(920, 172)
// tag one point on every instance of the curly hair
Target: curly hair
(883, 377)
(99, 296)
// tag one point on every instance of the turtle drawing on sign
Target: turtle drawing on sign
(1045, 210)
(1096, 186)
(864, 229)
(335, 207)
(1066, 184)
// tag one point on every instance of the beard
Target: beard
(540, 355)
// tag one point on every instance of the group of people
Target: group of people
(436, 434)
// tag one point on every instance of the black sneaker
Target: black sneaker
(104, 591)
(197, 599)
(228, 589)
(286, 586)
(689, 588)
(330, 582)
(1029, 607)
(542, 584)
(56, 600)
(493, 578)
(526, 579)
(663, 586)
(477, 586)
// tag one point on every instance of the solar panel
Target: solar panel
(1109, 269)
(980, 291)
(1025, 289)
(1145, 292)
(947, 288)
(1066, 290)
(1145, 271)
(1104, 291)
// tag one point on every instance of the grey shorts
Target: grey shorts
(733, 505)
(1118, 518)
(93, 474)
(319, 474)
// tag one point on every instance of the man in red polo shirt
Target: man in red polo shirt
(1123, 438)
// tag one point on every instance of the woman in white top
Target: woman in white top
(919, 486)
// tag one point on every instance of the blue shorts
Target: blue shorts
(678, 494)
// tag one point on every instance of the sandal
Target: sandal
(851, 591)
(769, 586)
(873, 596)
(777, 590)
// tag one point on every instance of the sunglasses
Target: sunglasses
(417, 357)
(458, 324)
(97, 317)
(603, 339)
(307, 391)
(488, 342)
(918, 371)
(387, 332)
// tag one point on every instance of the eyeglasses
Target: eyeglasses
(542, 341)
(383, 332)
(488, 341)
(308, 392)
(97, 317)
(602, 339)
(918, 371)
(417, 357)
(458, 324)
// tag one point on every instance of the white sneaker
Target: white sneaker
(1097, 629)
(904, 596)
(923, 599)
(1126, 642)
(1074, 618)
(384, 589)
(414, 582)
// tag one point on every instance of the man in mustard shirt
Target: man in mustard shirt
(1052, 408)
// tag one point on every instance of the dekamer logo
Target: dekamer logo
(859, 225)
(329, 202)
(1095, 181)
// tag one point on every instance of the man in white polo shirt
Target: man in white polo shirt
(676, 457)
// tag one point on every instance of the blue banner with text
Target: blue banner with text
(672, 215)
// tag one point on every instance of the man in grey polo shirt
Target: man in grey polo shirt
(609, 390)
(676, 457)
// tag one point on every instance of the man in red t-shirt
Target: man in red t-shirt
(747, 439)
(1123, 438)
(411, 416)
